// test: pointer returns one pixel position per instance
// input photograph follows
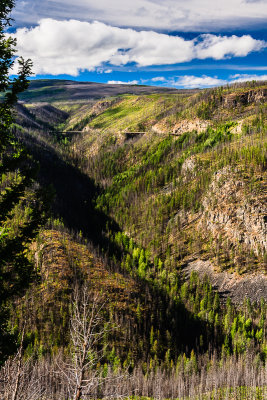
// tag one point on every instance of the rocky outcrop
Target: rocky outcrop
(245, 98)
(189, 165)
(230, 212)
(180, 127)
(189, 126)
(237, 129)
(101, 106)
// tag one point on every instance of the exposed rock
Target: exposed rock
(180, 127)
(245, 98)
(189, 126)
(239, 217)
(252, 286)
(101, 106)
(184, 218)
(237, 128)
(189, 164)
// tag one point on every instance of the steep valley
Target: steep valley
(159, 204)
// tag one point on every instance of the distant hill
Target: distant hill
(51, 90)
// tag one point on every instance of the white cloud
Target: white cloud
(247, 77)
(204, 81)
(158, 79)
(191, 81)
(68, 47)
(219, 47)
(103, 70)
(194, 15)
(123, 83)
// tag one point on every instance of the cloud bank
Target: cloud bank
(178, 15)
(192, 81)
(204, 81)
(69, 47)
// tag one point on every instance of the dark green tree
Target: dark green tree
(23, 204)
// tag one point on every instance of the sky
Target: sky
(173, 43)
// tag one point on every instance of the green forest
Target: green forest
(133, 239)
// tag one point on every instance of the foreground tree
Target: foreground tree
(82, 374)
(87, 329)
(22, 204)
(21, 379)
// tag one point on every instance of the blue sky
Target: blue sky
(175, 43)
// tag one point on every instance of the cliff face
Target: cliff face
(245, 98)
(231, 212)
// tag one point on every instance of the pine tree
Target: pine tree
(23, 205)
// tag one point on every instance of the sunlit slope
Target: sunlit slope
(168, 113)
(194, 169)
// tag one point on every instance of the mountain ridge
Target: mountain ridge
(50, 90)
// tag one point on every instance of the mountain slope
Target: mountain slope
(160, 203)
(159, 160)
(205, 175)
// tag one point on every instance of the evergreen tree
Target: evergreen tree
(22, 204)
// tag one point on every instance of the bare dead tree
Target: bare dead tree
(87, 330)
(21, 379)
(18, 374)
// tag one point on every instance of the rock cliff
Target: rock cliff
(231, 212)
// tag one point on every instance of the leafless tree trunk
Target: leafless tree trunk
(21, 379)
(87, 329)
(18, 374)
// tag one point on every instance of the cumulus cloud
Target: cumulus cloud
(68, 47)
(219, 47)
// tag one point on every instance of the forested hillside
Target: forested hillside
(158, 214)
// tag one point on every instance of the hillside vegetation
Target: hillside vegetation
(163, 166)
(160, 206)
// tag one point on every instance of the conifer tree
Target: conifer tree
(22, 203)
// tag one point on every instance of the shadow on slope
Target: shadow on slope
(74, 192)
(74, 204)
